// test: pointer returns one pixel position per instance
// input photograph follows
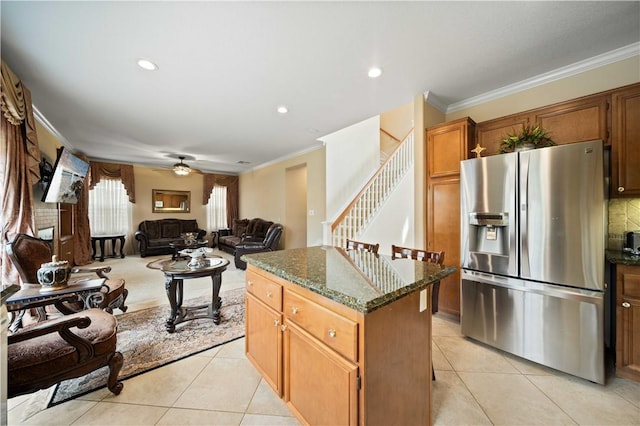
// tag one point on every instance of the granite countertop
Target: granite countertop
(361, 280)
(621, 257)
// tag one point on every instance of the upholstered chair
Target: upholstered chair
(28, 253)
(63, 348)
(269, 243)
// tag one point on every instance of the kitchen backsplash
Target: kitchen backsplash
(624, 215)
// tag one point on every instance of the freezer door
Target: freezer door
(552, 325)
(562, 215)
(488, 214)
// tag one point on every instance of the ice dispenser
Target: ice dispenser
(489, 240)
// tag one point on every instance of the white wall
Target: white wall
(353, 155)
(395, 222)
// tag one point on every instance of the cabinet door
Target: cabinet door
(264, 341)
(628, 322)
(320, 386)
(443, 234)
(625, 138)
(446, 145)
(576, 121)
(490, 133)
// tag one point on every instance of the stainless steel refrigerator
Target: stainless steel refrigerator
(533, 228)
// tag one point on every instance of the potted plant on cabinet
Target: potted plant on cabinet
(531, 136)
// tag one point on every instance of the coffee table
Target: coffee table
(175, 273)
(181, 245)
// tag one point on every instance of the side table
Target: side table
(101, 239)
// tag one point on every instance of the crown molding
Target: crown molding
(613, 56)
(433, 100)
(47, 125)
(286, 157)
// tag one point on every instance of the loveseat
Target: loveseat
(243, 229)
(154, 236)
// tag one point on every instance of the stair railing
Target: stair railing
(359, 213)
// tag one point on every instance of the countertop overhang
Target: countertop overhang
(361, 280)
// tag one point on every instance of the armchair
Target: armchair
(63, 348)
(28, 253)
(269, 243)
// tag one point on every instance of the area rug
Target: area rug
(145, 344)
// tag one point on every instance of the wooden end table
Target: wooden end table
(101, 239)
(175, 273)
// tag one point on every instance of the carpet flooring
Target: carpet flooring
(145, 343)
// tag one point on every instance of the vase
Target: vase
(524, 147)
(53, 275)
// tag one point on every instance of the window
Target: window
(109, 208)
(217, 208)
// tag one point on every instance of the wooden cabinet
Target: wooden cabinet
(321, 387)
(490, 133)
(263, 328)
(334, 365)
(447, 145)
(625, 141)
(66, 229)
(578, 120)
(628, 321)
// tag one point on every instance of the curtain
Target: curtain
(82, 233)
(122, 172)
(109, 208)
(217, 208)
(19, 166)
(233, 193)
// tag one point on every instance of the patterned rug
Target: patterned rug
(145, 344)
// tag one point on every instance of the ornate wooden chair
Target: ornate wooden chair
(425, 256)
(28, 253)
(63, 348)
(358, 245)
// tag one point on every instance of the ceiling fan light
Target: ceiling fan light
(181, 169)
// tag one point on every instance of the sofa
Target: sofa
(268, 243)
(154, 236)
(242, 230)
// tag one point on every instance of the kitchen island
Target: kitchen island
(344, 337)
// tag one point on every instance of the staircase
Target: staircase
(359, 213)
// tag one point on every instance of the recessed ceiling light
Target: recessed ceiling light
(147, 65)
(374, 72)
(283, 109)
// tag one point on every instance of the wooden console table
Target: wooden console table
(101, 239)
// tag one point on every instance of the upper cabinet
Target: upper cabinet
(625, 142)
(581, 120)
(447, 145)
(578, 120)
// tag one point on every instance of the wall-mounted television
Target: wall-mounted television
(67, 180)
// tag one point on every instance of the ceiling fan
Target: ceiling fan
(181, 169)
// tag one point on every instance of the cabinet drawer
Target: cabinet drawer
(337, 332)
(265, 290)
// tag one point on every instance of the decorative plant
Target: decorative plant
(532, 135)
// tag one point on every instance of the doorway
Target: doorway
(295, 235)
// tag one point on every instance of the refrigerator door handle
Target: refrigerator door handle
(524, 201)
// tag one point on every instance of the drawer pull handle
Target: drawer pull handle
(621, 189)
(294, 310)
(283, 327)
(332, 333)
(250, 283)
(269, 294)
(276, 323)
(626, 304)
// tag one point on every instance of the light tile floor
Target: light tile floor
(475, 384)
